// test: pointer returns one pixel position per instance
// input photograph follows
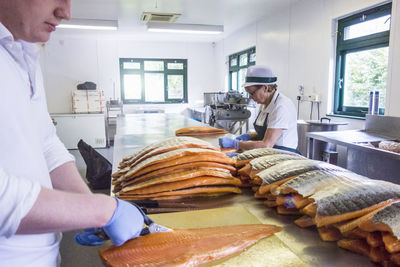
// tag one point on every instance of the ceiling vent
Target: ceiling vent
(159, 17)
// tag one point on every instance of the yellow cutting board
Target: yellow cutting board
(269, 251)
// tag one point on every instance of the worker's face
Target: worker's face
(33, 20)
(258, 93)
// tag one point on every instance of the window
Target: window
(153, 80)
(361, 60)
(238, 64)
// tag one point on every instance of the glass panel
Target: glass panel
(154, 65)
(365, 71)
(234, 61)
(242, 78)
(175, 86)
(243, 60)
(131, 65)
(154, 87)
(132, 86)
(368, 27)
(253, 57)
(234, 81)
(175, 66)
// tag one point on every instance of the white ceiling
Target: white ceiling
(232, 14)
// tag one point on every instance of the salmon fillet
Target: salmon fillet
(186, 247)
(199, 130)
(167, 144)
(189, 166)
(185, 192)
(178, 176)
(198, 181)
(173, 162)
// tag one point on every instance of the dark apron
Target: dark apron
(260, 130)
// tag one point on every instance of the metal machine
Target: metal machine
(227, 110)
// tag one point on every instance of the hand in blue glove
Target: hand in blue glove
(243, 137)
(226, 142)
(125, 224)
(89, 237)
(231, 155)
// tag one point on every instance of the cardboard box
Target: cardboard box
(88, 101)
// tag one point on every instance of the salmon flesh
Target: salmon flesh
(186, 247)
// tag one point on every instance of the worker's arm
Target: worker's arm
(61, 164)
(271, 136)
(67, 178)
(58, 211)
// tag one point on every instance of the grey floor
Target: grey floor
(73, 254)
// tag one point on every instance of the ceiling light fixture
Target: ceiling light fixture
(89, 24)
(185, 28)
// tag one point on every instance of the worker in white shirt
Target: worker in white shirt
(41, 191)
(276, 122)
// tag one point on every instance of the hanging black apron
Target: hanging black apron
(260, 130)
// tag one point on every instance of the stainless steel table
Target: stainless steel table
(354, 155)
(136, 131)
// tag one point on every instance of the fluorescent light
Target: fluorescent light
(184, 28)
(89, 24)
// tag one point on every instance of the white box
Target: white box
(91, 128)
(88, 101)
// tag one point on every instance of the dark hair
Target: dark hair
(271, 87)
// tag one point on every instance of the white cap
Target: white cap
(259, 75)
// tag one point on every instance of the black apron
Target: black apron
(260, 130)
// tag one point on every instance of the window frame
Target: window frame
(363, 43)
(237, 68)
(142, 72)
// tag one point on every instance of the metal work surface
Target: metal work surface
(137, 131)
(153, 123)
(356, 153)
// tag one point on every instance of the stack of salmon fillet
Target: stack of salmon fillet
(360, 214)
(178, 167)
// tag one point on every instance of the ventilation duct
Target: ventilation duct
(159, 17)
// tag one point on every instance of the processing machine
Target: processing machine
(227, 110)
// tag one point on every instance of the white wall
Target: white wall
(70, 60)
(297, 42)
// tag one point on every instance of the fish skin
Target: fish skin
(349, 197)
(391, 217)
(310, 182)
(186, 247)
(265, 162)
(290, 168)
(259, 152)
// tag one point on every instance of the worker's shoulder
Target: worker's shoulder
(284, 100)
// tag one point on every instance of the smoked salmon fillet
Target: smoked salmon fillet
(170, 186)
(186, 192)
(198, 131)
(245, 157)
(165, 146)
(186, 247)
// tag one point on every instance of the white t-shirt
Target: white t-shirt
(281, 114)
(29, 151)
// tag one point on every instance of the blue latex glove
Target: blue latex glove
(243, 137)
(125, 224)
(231, 155)
(89, 238)
(226, 142)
